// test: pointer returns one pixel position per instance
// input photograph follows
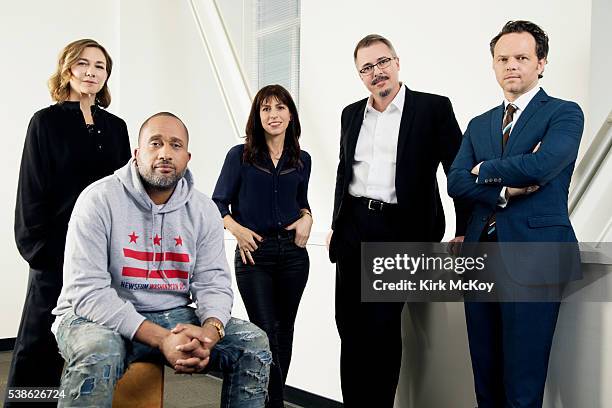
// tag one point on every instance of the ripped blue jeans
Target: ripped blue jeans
(97, 357)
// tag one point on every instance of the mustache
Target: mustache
(165, 163)
(379, 79)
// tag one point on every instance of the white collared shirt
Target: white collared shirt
(376, 151)
(521, 104)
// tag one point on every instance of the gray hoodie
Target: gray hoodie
(125, 254)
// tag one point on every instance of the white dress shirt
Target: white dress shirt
(521, 104)
(376, 151)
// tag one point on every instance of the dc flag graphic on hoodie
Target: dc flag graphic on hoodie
(172, 267)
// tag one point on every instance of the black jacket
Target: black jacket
(60, 158)
(428, 135)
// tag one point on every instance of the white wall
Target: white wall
(600, 85)
(161, 65)
(165, 67)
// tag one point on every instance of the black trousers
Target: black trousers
(370, 333)
(36, 359)
(271, 290)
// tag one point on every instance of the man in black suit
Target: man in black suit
(391, 146)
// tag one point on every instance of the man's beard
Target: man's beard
(158, 181)
(385, 92)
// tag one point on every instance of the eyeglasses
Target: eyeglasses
(383, 63)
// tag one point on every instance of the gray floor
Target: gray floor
(5, 362)
(179, 390)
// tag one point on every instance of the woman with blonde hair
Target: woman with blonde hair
(68, 146)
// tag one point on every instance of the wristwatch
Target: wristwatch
(304, 212)
(217, 325)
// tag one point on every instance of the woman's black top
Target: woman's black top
(262, 197)
(61, 156)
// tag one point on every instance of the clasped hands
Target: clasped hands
(187, 347)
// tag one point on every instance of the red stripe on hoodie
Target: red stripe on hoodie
(159, 256)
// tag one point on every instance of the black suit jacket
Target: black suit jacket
(428, 135)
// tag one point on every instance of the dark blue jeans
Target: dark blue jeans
(96, 357)
(271, 290)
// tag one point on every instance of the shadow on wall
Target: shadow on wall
(436, 368)
(575, 369)
(579, 363)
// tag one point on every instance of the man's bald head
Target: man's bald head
(167, 114)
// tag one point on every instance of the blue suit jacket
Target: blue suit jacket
(541, 216)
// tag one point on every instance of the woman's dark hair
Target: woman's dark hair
(255, 147)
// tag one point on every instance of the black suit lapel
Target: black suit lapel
(353, 135)
(405, 125)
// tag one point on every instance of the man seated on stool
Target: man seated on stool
(139, 243)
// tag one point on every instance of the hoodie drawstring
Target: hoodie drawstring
(161, 271)
(153, 243)
(161, 257)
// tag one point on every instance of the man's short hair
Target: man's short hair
(523, 26)
(170, 114)
(371, 39)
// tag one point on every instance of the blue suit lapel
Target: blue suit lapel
(496, 131)
(534, 105)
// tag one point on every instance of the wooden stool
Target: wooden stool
(142, 386)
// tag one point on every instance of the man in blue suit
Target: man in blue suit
(515, 165)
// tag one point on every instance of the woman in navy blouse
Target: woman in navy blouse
(262, 195)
